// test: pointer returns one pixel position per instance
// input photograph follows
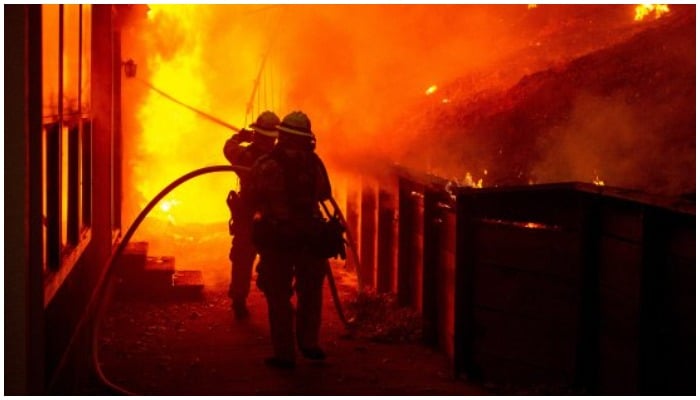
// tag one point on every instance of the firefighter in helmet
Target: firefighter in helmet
(286, 187)
(243, 148)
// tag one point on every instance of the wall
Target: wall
(69, 315)
(47, 347)
(23, 279)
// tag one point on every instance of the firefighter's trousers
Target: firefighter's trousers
(280, 274)
(242, 256)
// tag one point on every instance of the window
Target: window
(66, 136)
(50, 58)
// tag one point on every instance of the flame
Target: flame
(642, 10)
(173, 140)
(471, 182)
(531, 6)
(597, 181)
(432, 89)
(522, 224)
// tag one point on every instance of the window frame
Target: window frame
(67, 160)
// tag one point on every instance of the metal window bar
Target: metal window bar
(73, 198)
(86, 143)
(53, 198)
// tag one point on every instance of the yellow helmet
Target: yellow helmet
(266, 124)
(296, 123)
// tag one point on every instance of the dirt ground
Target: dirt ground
(167, 346)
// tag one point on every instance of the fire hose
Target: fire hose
(105, 278)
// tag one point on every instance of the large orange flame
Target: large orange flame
(173, 140)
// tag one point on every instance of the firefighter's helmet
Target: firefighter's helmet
(266, 124)
(296, 123)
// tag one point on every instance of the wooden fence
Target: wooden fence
(562, 285)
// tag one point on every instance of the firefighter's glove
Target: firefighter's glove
(244, 135)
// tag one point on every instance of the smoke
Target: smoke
(360, 72)
(356, 70)
(607, 138)
(632, 127)
(353, 69)
(583, 148)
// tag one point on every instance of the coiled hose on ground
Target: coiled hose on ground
(109, 270)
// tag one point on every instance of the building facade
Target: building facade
(62, 186)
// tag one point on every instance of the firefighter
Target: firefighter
(243, 148)
(286, 187)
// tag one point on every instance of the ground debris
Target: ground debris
(510, 389)
(378, 317)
